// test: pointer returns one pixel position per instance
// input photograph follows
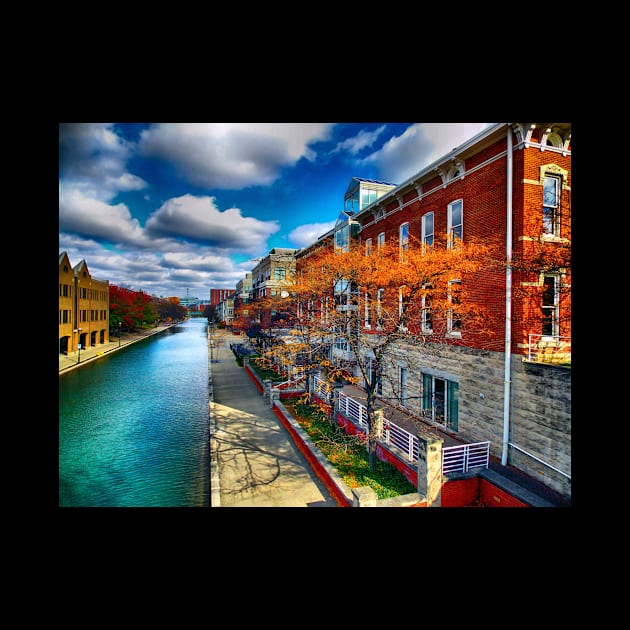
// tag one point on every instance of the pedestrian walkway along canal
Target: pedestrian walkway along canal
(133, 425)
(258, 463)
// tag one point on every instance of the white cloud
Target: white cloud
(403, 156)
(168, 274)
(96, 219)
(199, 220)
(92, 160)
(232, 155)
(360, 141)
(305, 235)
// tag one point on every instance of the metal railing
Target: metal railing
(393, 435)
(294, 381)
(323, 390)
(353, 410)
(465, 457)
(460, 458)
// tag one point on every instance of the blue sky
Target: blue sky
(175, 209)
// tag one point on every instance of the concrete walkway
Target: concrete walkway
(254, 461)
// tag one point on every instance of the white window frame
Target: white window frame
(452, 227)
(426, 235)
(552, 228)
(553, 309)
(426, 323)
(380, 240)
(379, 308)
(400, 308)
(450, 320)
(368, 246)
(403, 237)
(403, 377)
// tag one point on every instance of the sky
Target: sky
(177, 209)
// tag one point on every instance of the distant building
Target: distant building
(244, 289)
(218, 295)
(191, 303)
(83, 307)
(273, 273)
(225, 311)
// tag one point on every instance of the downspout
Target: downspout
(508, 305)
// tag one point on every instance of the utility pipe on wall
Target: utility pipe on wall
(508, 304)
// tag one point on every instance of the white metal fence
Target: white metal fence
(323, 390)
(465, 457)
(460, 458)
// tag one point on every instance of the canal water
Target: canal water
(133, 425)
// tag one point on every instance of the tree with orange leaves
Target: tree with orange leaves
(352, 310)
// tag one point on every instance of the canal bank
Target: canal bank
(69, 362)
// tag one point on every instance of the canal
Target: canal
(133, 425)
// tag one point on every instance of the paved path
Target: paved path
(255, 463)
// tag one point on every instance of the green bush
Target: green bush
(348, 453)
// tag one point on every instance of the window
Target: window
(342, 239)
(368, 311)
(455, 222)
(550, 306)
(367, 197)
(279, 273)
(368, 246)
(551, 205)
(403, 304)
(403, 239)
(454, 323)
(379, 309)
(440, 400)
(351, 205)
(380, 239)
(427, 229)
(427, 315)
(402, 383)
(325, 312)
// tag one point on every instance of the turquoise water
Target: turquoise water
(133, 426)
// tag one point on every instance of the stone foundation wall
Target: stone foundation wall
(540, 420)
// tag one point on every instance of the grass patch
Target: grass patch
(347, 453)
(263, 372)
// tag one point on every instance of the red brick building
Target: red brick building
(466, 193)
(509, 185)
(218, 295)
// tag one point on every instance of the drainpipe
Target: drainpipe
(508, 304)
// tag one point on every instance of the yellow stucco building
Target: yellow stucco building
(83, 307)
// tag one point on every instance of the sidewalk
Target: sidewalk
(71, 361)
(254, 461)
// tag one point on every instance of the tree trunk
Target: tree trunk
(371, 438)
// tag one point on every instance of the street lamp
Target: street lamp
(78, 330)
(119, 327)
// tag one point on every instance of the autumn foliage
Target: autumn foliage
(128, 307)
(366, 303)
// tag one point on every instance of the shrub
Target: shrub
(347, 453)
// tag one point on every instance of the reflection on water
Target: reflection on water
(133, 426)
